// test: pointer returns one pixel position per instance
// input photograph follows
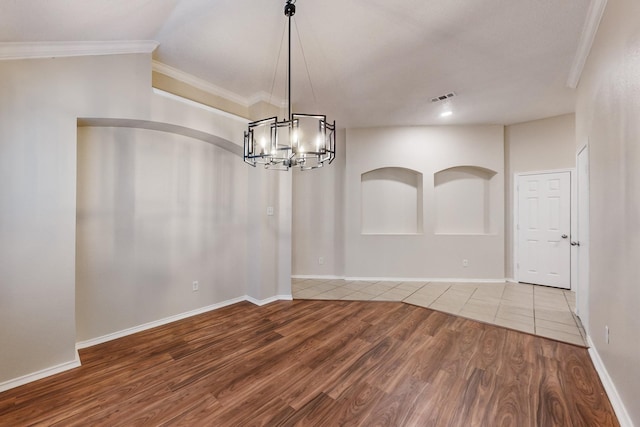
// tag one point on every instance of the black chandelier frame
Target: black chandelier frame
(306, 141)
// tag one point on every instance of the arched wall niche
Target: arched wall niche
(391, 201)
(463, 196)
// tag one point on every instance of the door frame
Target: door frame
(582, 284)
(515, 210)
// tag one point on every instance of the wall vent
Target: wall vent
(443, 97)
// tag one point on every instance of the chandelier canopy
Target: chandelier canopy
(306, 141)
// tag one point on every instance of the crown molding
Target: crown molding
(34, 50)
(198, 83)
(591, 24)
(269, 99)
(212, 89)
(200, 105)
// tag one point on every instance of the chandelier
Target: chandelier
(305, 141)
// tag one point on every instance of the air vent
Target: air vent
(443, 97)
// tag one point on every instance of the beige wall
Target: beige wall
(538, 145)
(318, 217)
(327, 207)
(269, 251)
(39, 103)
(319, 204)
(608, 118)
(429, 254)
(155, 211)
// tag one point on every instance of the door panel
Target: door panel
(544, 224)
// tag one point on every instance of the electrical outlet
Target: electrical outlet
(465, 262)
(270, 211)
(195, 285)
(606, 334)
(321, 260)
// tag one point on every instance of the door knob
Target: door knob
(564, 236)
(575, 243)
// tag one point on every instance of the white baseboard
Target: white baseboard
(618, 406)
(156, 323)
(399, 279)
(16, 382)
(425, 279)
(261, 302)
(119, 334)
(315, 276)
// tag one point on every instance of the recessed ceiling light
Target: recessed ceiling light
(446, 113)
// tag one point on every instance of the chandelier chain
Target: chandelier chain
(275, 71)
(306, 66)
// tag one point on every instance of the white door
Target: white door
(581, 243)
(544, 224)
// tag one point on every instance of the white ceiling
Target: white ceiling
(371, 62)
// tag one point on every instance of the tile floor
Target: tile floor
(539, 310)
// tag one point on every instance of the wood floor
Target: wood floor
(320, 363)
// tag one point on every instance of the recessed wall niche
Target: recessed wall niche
(462, 200)
(391, 201)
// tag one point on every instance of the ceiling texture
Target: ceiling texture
(369, 62)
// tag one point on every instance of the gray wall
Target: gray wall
(430, 253)
(318, 217)
(608, 119)
(320, 205)
(39, 103)
(538, 145)
(155, 211)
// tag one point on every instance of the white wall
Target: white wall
(608, 117)
(539, 145)
(427, 150)
(156, 211)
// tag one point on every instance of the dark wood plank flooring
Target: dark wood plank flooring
(320, 363)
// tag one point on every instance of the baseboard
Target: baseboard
(260, 302)
(315, 276)
(425, 279)
(399, 279)
(156, 323)
(16, 382)
(160, 322)
(510, 280)
(618, 406)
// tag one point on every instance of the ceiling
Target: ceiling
(370, 62)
